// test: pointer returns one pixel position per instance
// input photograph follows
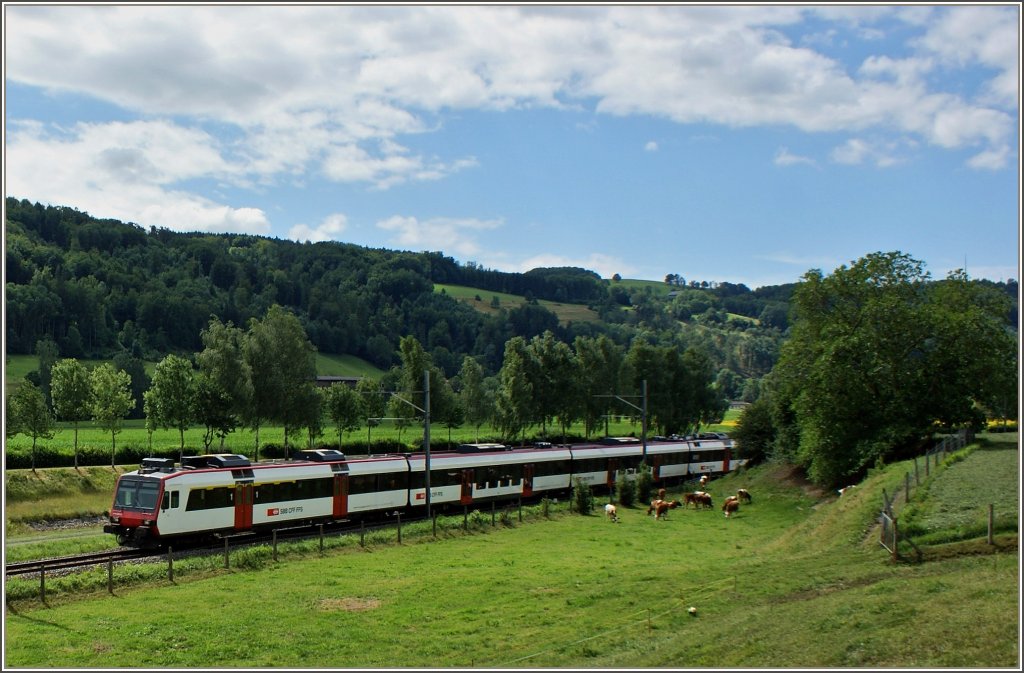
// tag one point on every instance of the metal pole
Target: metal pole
(398, 516)
(643, 424)
(42, 585)
(227, 562)
(110, 576)
(274, 535)
(321, 538)
(426, 434)
(170, 564)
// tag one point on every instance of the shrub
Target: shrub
(644, 483)
(583, 497)
(626, 491)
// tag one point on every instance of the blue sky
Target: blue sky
(745, 144)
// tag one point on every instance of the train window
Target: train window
(440, 478)
(174, 499)
(362, 483)
(210, 498)
(167, 501)
(137, 494)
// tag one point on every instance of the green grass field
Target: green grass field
(243, 440)
(795, 580)
(566, 312)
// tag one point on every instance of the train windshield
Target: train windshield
(137, 494)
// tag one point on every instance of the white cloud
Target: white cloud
(605, 265)
(329, 229)
(338, 99)
(857, 151)
(651, 146)
(784, 158)
(441, 233)
(127, 171)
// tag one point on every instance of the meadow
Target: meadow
(483, 301)
(795, 579)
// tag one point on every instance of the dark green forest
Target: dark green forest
(101, 287)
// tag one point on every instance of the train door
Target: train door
(725, 461)
(467, 487)
(613, 466)
(243, 505)
(340, 509)
(528, 480)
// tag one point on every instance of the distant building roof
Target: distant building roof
(327, 381)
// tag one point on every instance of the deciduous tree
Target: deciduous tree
(71, 393)
(32, 416)
(111, 400)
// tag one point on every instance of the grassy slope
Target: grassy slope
(796, 579)
(468, 295)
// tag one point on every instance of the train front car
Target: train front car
(133, 514)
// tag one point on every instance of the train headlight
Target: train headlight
(115, 519)
(147, 522)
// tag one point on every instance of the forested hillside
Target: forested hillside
(98, 288)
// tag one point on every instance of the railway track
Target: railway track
(76, 561)
(46, 566)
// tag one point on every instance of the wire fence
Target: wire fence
(890, 536)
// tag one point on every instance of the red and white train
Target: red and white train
(211, 496)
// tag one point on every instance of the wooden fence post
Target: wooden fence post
(110, 576)
(170, 564)
(991, 524)
(274, 537)
(362, 533)
(917, 474)
(42, 585)
(227, 562)
(321, 538)
(906, 481)
(399, 518)
(493, 515)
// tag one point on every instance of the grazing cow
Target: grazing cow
(704, 499)
(703, 480)
(661, 508)
(743, 495)
(845, 489)
(661, 494)
(730, 506)
(611, 512)
(690, 498)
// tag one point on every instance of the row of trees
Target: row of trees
(878, 359)
(266, 374)
(102, 395)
